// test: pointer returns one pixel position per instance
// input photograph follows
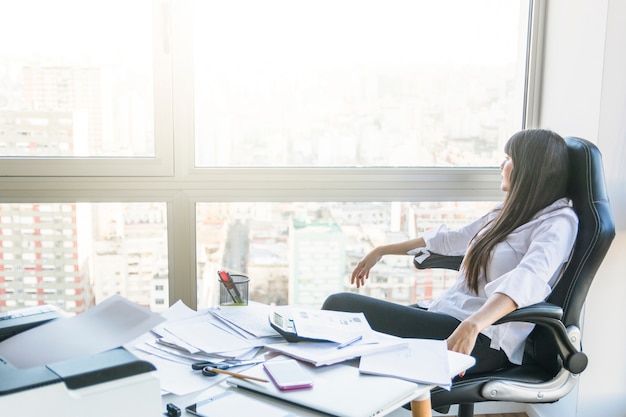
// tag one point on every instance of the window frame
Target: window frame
(172, 178)
(159, 165)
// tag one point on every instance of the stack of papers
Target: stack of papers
(240, 333)
(226, 332)
(216, 334)
(181, 336)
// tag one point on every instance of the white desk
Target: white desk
(422, 393)
(420, 406)
(184, 401)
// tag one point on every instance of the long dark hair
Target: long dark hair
(539, 177)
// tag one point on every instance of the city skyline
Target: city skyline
(123, 251)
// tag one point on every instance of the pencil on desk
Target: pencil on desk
(235, 375)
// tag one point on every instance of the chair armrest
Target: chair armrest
(549, 316)
(534, 313)
(436, 260)
(541, 314)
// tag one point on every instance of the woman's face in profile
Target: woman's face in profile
(506, 167)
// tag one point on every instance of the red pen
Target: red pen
(227, 280)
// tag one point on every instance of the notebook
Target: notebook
(339, 390)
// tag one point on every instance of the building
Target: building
(317, 261)
(41, 261)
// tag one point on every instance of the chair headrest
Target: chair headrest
(596, 228)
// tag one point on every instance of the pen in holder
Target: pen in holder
(233, 289)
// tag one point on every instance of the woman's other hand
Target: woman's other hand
(362, 269)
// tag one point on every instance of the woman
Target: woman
(513, 256)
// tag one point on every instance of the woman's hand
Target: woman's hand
(362, 269)
(463, 339)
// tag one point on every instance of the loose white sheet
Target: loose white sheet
(207, 336)
(418, 360)
(327, 353)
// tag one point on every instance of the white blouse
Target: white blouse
(525, 267)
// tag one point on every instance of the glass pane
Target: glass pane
(299, 253)
(357, 83)
(76, 79)
(74, 255)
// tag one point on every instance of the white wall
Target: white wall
(584, 94)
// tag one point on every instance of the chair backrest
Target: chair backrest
(596, 229)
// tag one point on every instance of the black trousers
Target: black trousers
(414, 322)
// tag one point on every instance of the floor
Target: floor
(502, 415)
(499, 415)
(406, 413)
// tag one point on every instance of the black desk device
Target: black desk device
(16, 321)
(284, 325)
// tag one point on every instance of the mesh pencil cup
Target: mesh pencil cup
(236, 292)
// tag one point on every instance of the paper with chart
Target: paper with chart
(335, 326)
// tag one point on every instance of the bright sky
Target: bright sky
(315, 32)
(295, 32)
(75, 27)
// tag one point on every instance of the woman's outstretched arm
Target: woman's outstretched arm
(361, 271)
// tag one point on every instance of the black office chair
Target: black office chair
(553, 355)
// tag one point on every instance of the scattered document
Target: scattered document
(327, 353)
(334, 326)
(107, 325)
(178, 378)
(189, 336)
(206, 336)
(251, 320)
(418, 360)
(178, 311)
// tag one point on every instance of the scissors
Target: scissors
(205, 366)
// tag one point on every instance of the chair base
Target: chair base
(466, 410)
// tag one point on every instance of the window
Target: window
(353, 83)
(193, 122)
(82, 90)
(79, 84)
